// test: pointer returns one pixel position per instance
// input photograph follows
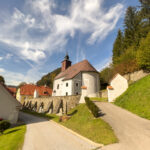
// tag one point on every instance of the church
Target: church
(77, 79)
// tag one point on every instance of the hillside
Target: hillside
(137, 98)
(49, 78)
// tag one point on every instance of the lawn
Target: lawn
(83, 122)
(13, 138)
(137, 98)
(100, 99)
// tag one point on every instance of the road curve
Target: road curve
(47, 135)
(133, 131)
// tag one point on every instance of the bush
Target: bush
(91, 105)
(4, 125)
(143, 55)
(1, 119)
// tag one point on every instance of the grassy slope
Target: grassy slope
(13, 138)
(137, 98)
(100, 99)
(85, 124)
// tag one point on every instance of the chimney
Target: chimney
(65, 63)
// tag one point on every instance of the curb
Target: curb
(82, 137)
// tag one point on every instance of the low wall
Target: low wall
(103, 93)
(132, 77)
(52, 104)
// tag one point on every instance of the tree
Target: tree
(132, 25)
(117, 47)
(49, 78)
(143, 54)
(2, 80)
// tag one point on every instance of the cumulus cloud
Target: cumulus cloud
(1, 58)
(15, 78)
(38, 30)
(2, 70)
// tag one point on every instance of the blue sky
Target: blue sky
(35, 34)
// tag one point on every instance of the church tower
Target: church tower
(65, 63)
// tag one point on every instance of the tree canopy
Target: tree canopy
(2, 80)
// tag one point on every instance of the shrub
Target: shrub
(4, 125)
(1, 119)
(91, 105)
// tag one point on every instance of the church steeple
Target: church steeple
(65, 63)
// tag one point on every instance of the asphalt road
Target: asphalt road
(132, 131)
(47, 135)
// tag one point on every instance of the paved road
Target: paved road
(47, 135)
(132, 131)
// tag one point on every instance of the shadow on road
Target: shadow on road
(30, 118)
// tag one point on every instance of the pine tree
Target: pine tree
(132, 25)
(118, 47)
(143, 54)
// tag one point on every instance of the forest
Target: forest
(131, 48)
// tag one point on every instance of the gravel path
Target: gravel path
(47, 135)
(133, 132)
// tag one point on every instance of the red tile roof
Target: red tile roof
(12, 90)
(28, 89)
(110, 87)
(83, 87)
(73, 70)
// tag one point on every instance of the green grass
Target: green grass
(83, 122)
(100, 99)
(13, 138)
(137, 98)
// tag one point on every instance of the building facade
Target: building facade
(29, 91)
(118, 85)
(78, 79)
(9, 106)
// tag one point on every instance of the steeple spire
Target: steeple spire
(66, 62)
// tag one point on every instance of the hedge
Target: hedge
(92, 106)
(4, 125)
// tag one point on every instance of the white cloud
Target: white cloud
(103, 64)
(38, 30)
(15, 78)
(1, 58)
(8, 56)
(2, 70)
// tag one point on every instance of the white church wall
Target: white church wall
(77, 83)
(60, 87)
(91, 81)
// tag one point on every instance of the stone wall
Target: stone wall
(53, 104)
(103, 93)
(132, 77)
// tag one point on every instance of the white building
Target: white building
(118, 85)
(79, 79)
(9, 106)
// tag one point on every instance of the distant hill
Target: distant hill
(49, 78)
(137, 98)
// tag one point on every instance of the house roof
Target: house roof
(73, 70)
(12, 89)
(28, 89)
(110, 87)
